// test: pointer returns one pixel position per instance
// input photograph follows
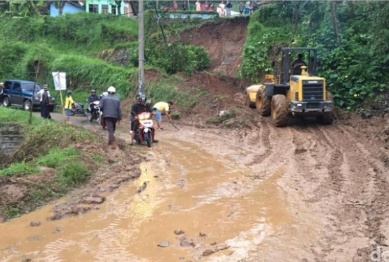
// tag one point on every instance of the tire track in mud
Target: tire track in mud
(357, 208)
(311, 159)
(335, 184)
(314, 181)
(262, 138)
(376, 197)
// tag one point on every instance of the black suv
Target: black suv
(20, 93)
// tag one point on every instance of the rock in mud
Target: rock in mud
(214, 249)
(187, 242)
(35, 223)
(179, 231)
(93, 200)
(163, 244)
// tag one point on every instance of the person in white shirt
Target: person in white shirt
(44, 99)
(198, 5)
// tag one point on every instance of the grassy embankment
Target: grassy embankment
(47, 165)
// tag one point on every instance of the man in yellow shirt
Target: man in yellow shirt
(162, 108)
(68, 105)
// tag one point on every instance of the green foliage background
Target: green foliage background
(33, 47)
(352, 38)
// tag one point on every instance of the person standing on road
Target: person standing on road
(45, 103)
(43, 107)
(69, 104)
(241, 8)
(162, 108)
(112, 114)
(228, 8)
(198, 5)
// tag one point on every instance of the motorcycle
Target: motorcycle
(78, 109)
(146, 130)
(93, 111)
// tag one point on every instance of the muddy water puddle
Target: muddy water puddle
(187, 205)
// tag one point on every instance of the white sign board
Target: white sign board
(59, 80)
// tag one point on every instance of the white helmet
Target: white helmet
(111, 89)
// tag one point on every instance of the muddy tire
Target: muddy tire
(248, 102)
(327, 118)
(262, 102)
(279, 110)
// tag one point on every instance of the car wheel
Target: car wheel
(27, 105)
(6, 102)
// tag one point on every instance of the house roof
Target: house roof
(79, 4)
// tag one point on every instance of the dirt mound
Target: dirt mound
(224, 41)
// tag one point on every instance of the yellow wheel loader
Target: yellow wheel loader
(296, 90)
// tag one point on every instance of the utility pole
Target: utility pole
(141, 58)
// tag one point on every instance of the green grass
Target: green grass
(17, 115)
(73, 173)
(165, 90)
(20, 168)
(56, 157)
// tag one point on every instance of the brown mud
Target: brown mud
(238, 191)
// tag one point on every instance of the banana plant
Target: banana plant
(25, 7)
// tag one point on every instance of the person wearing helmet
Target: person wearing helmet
(92, 98)
(45, 103)
(138, 107)
(69, 104)
(43, 95)
(110, 106)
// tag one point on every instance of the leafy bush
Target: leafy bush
(178, 57)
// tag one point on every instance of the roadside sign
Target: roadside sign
(59, 79)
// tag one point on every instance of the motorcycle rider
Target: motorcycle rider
(92, 98)
(138, 107)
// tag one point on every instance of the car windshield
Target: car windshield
(30, 87)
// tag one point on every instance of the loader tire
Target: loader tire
(248, 102)
(279, 110)
(262, 102)
(328, 117)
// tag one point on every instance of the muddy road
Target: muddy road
(301, 193)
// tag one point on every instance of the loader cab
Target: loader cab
(289, 55)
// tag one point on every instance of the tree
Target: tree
(59, 5)
(25, 7)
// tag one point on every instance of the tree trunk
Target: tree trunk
(334, 20)
(295, 18)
